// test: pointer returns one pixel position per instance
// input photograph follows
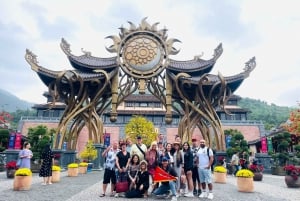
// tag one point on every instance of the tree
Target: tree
(4, 136)
(237, 142)
(139, 125)
(38, 137)
(293, 125)
(90, 152)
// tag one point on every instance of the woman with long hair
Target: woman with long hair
(142, 184)
(133, 169)
(188, 167)
(178, 161)
(46, 168)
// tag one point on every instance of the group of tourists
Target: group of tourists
(241, 160)
(131, 169)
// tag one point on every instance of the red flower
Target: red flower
(256, 168)
(11, 165)
(292, 171)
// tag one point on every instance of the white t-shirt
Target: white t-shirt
(203, 157)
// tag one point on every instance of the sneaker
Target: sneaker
(199, 192)
(174, 198)
(116, 195)
(189, 194)
(203, 195)
(210, 196)
(195, 192)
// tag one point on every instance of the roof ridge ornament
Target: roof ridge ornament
(250, 65)
(65, 46)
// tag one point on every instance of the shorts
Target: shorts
(109, 176)
(205, 176)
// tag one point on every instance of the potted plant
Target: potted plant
(245, 180)
(220, 173)
(73, 170)
(11, 168)
(292, 176)
(23, 179)
(55, 174)
(257, 171)
(83, 167)
(89, 154)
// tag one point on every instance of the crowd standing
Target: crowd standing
(134, 165)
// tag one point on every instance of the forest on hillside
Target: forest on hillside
(270, 114)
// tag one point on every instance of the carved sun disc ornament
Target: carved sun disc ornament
(142, 55)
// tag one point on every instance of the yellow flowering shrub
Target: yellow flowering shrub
(245, 173)
(73, 165)
(23, 172)
(220, 169)
(56, 168)
(83, 164)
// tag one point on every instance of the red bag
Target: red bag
(122, 186)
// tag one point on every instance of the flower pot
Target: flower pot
(55, 176)
(245, 184)
(220, 177)
(291, 182)
(22, 183)
(72, 172)
(82, 170)
(10, 173)
(258, 176)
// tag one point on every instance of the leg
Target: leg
(172, 186)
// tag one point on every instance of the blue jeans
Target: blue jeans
(164, 188)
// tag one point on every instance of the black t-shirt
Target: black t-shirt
(123, 159)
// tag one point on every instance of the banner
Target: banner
(264, 148)
(270, 145)
(106, 139)
(228, 140)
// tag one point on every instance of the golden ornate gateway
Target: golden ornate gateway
(142, 64)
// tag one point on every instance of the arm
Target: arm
(104, 154)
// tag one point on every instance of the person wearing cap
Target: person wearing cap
(167, 186)
(195, 175)
(142, 184)
(139, 148)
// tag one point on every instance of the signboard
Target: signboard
(264, 148)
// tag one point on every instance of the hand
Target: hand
(141, 187)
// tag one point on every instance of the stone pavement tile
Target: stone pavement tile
(88, 188)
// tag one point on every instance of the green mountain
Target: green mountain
(271, 115)
(11, 103)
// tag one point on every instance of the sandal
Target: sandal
(102, 195)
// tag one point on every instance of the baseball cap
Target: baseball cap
(165, 159)
(138, 137)
(194, 140)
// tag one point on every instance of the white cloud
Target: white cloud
(266, 29)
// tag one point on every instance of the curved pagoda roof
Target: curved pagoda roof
(90, 67)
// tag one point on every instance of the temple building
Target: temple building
(101, 94)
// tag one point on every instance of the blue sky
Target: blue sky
(266, 29)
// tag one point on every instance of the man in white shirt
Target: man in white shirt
(205, 160)
(139, 148)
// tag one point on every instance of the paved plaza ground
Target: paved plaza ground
(88, 187)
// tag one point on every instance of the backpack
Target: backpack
(214, 160)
